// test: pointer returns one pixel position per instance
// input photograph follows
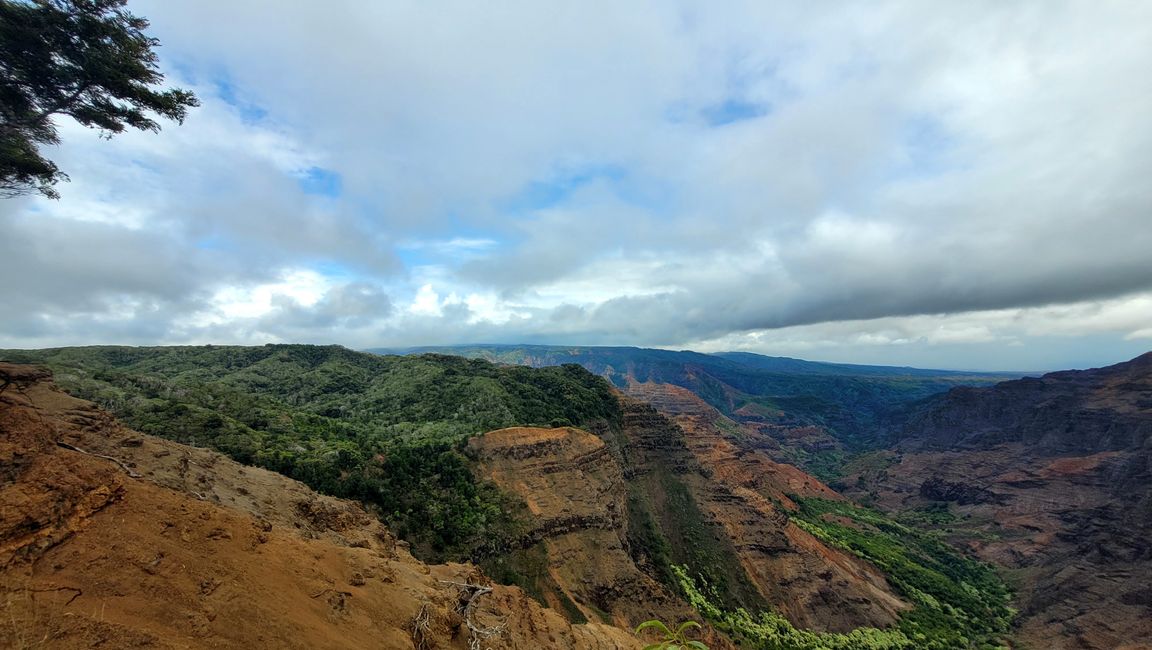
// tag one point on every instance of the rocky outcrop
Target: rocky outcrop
(656, 491)
(960, 492)
(1050, 478)
(577, 502)
(111, 538)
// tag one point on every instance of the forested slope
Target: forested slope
(385, 430)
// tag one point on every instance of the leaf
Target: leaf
(696, 644)
(658, 625)
(684, 626)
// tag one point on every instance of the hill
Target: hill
(387, 431)
(113, 538)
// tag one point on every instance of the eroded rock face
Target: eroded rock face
(1070, 412)
(959, 492)
(744, 494)
(1049, 478)
(165, 546)
(604, 497)
(577, 499)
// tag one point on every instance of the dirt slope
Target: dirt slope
(163, 546)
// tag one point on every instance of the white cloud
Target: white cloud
(941, 177)
(427, 302)
(302, 286)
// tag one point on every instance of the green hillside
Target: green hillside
(385, 430)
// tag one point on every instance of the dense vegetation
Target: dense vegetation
(386, 430)
(957, 602)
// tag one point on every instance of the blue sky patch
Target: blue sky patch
(250, 113)
(733, 110)
(320, 181)
(539, 195)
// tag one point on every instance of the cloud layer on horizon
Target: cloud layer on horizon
(959, 184)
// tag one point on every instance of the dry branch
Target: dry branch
(421, 625)
(469, 595)
(127, 470)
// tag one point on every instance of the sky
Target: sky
(937, 184)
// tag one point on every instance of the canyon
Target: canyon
(585, 507)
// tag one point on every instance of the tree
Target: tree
(87, 59)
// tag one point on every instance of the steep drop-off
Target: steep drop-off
(1050, 477)
(612, 511)
(111, 538)
(613, 521)
(577, 502)
(742, 499)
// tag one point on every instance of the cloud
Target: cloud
(771, 176)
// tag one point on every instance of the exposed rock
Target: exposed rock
(693, 486)
(938, 489)
(1070, 412)
(743, 493)
(576, 496)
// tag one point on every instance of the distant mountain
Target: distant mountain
(800, 366)
(1074, 411)
(538, 355)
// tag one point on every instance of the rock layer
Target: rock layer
(746, 495)
(604, 506)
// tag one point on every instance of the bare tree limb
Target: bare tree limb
(469, 595)
(127, 470)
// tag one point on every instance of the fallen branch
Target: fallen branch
(469, 595)
(127, 470)
(421, 625)
(78, 592)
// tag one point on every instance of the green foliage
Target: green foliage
(671, 639)
(937, 515)
(958, 602)
(87, 59)
(390, 431)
